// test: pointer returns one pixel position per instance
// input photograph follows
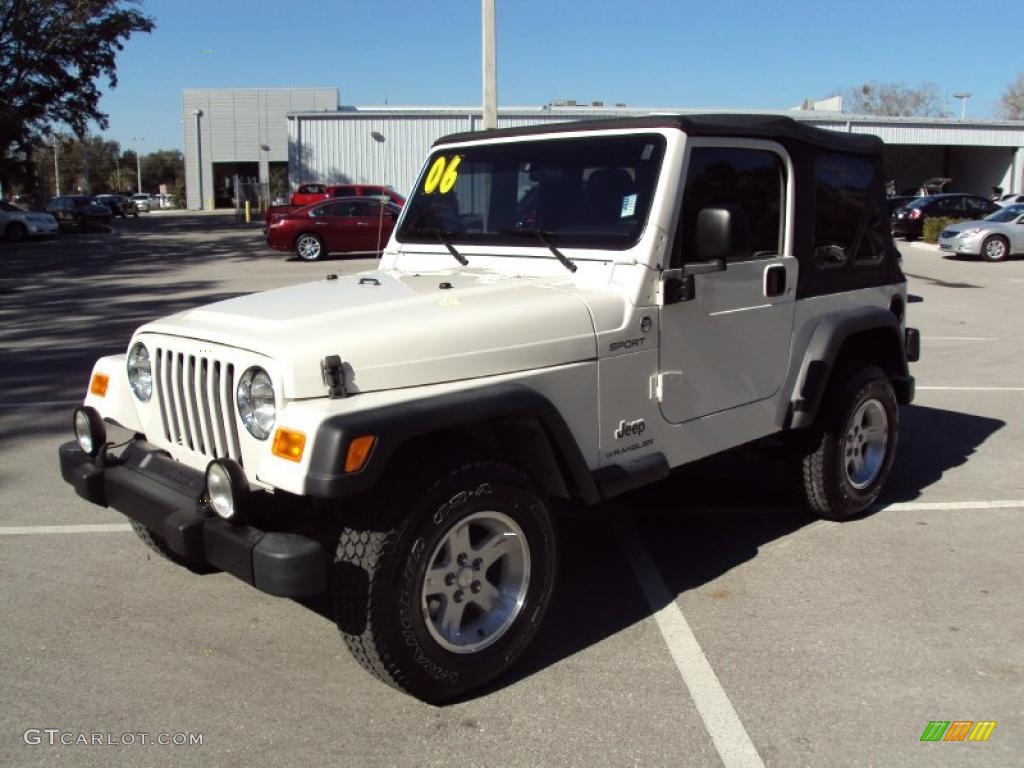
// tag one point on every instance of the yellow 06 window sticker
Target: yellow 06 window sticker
(442, 175)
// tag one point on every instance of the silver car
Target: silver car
(993, 238)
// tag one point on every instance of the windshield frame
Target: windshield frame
(574, 238)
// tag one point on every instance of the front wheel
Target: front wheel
(851, 449)
(995, 248)
(309, 247)
(448, 596)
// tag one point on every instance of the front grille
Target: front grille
(196, 395)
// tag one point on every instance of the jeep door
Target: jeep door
(729, 344)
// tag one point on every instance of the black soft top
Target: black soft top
(779, 128)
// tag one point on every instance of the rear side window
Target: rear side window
(345, 192)
(849, 215)
(752, 179)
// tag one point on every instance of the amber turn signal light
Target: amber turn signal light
(289, 444)
(358, 452)
(98, 385)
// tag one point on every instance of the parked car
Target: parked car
(1011, 199)
(342, 225)
(392, 444)
(17, 224)
(119, 205)
(338, 190)
(144, 201)
(308, 193)
(893, 204)
(993, 238)
(908, 221)
(79, 211)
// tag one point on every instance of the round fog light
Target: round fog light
(227, 489)
(89, 430)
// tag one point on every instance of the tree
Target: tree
(1011, 105)
(52, 53)
(164, 166)
(894, 100)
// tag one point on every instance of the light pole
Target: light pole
(199, 154)
(138, 162)
(489, 67)
(963, 96)
(56, 167)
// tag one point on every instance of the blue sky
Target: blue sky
(737, 54)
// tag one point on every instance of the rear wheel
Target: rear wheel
(16, 232)
(309, 247)
(995, 248)
(851, 448)
(447, 593)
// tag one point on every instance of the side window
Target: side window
(751, 179)
(849, 214)
(977, 205)
(344, 191)
(339, 210)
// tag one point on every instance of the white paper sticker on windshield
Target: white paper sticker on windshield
(628, 206)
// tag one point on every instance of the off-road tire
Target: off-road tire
(381, 564)
(156, 543)
(828, 489)
(16, 232)
(995, 248)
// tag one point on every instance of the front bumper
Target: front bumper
(165, 496)
(962, 246)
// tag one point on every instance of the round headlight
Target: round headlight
(227, 488)
(140, 372)
(89, 430)
(255, 397)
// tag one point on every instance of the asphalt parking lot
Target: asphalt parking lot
(702, 622)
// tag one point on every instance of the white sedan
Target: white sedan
(993, 238)
(16, 224)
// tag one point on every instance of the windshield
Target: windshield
(1005, 214)
(591, 192)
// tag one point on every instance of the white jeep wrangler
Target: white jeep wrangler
(564, 311)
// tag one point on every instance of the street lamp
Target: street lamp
(138, 162)
(199, 154)
(963, 96)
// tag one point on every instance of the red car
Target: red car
(342, 225)
(307, 194)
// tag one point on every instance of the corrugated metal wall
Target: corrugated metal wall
(235, 122)
(341, 147)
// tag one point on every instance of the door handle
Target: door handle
(775, 280)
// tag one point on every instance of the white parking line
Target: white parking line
(957, 338)
(25, 530)
(940, 506)
(720, 719)
(972, 389)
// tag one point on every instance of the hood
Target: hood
(396, 330)
(962, 226)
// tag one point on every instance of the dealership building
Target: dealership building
(261, 134)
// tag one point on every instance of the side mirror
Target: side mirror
(723, 233)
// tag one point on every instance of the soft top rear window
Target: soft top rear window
(593, 191)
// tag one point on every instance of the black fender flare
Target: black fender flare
(395, 425)
(828, 337)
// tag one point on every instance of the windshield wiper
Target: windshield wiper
(543, 236)
(444, 237)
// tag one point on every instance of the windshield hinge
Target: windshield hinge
(332, 371)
